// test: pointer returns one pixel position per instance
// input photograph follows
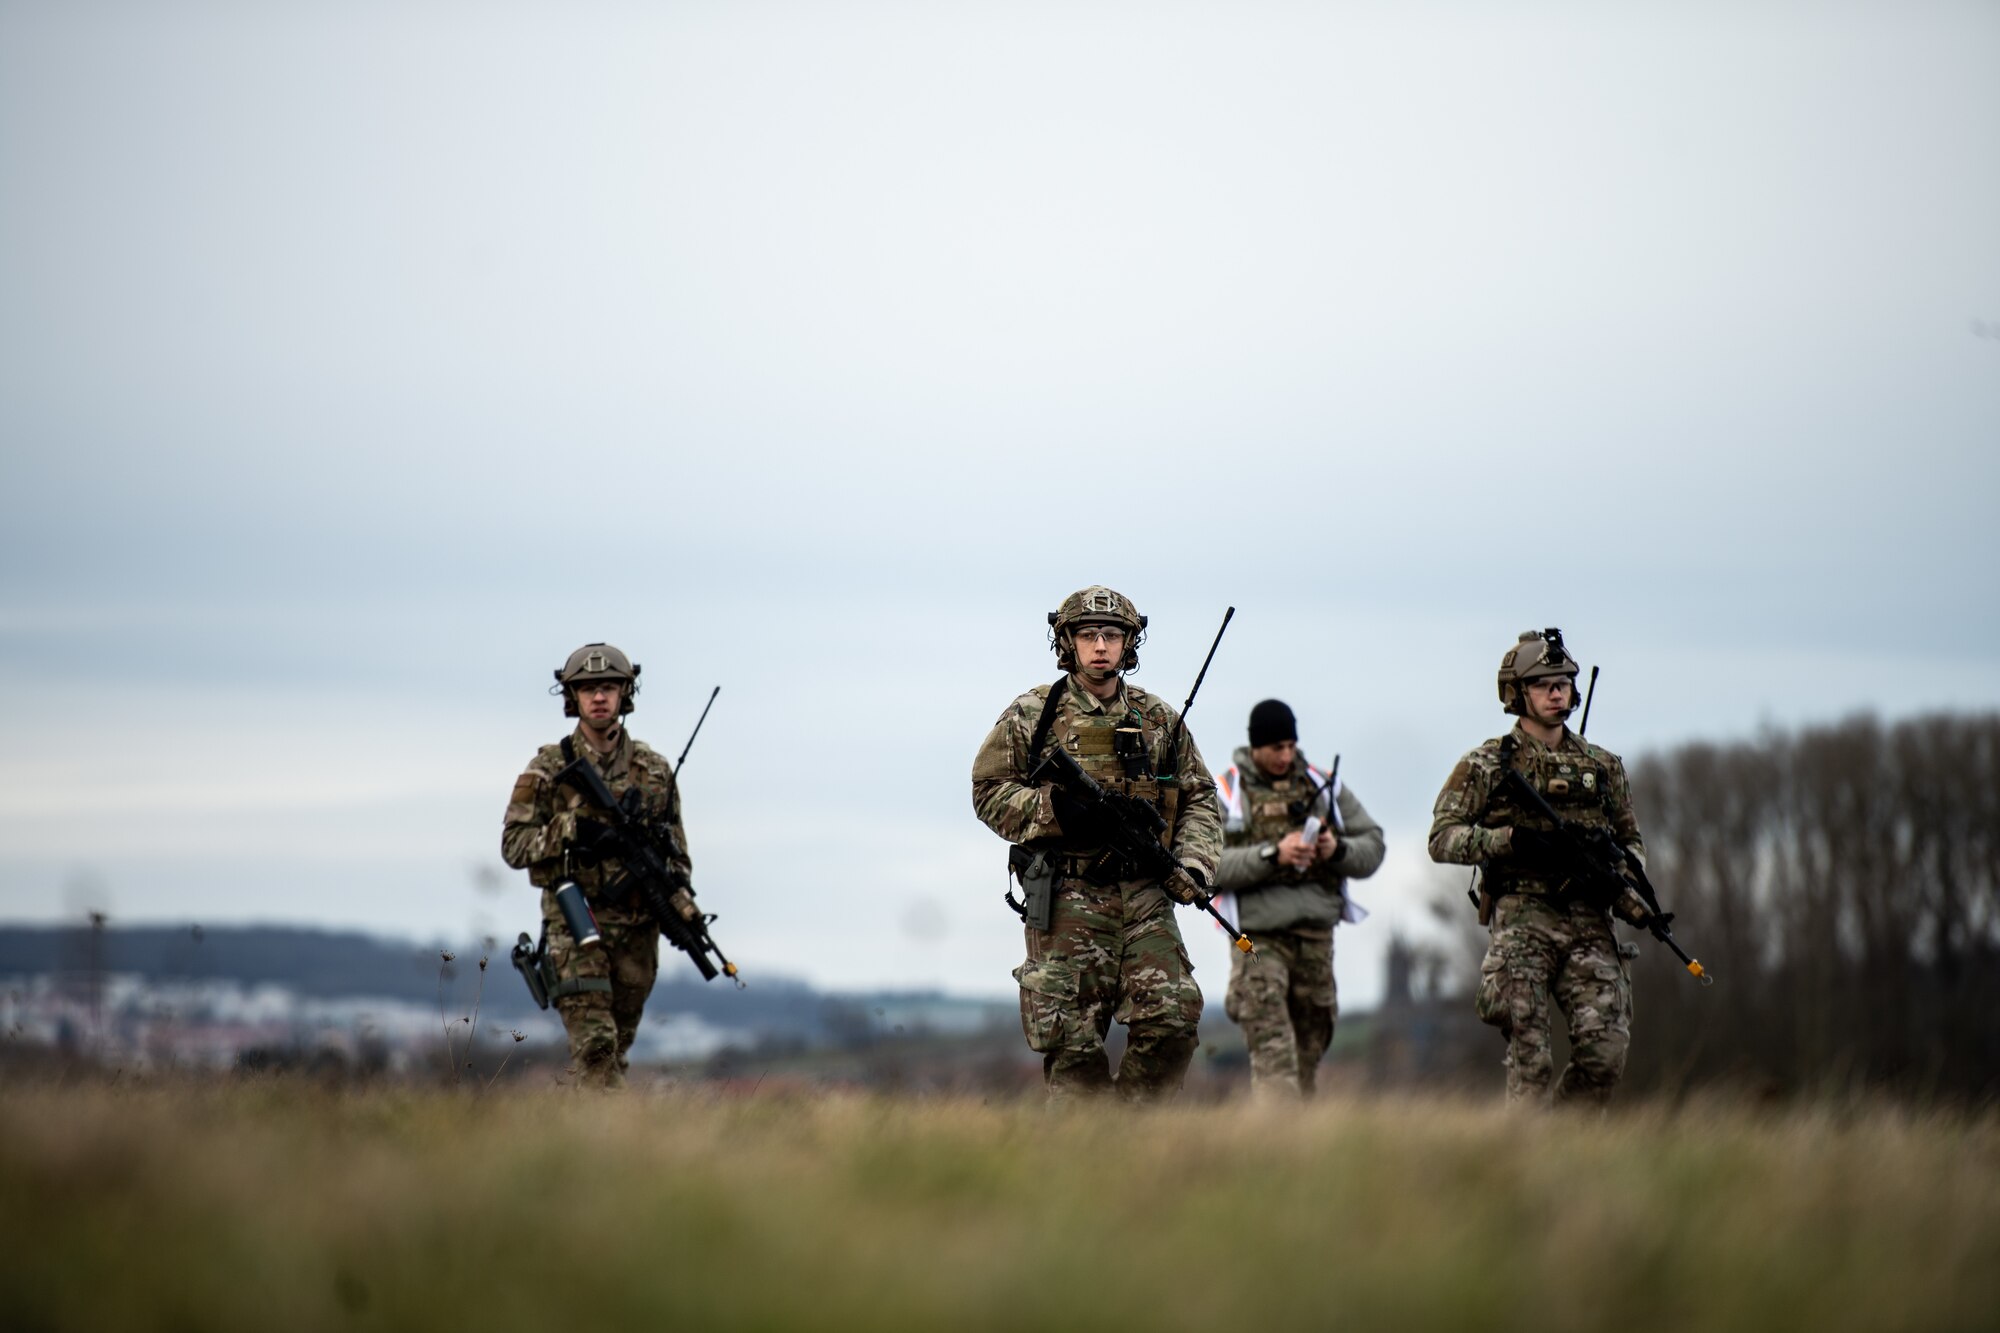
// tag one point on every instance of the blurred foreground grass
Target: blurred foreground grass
(262, 1205)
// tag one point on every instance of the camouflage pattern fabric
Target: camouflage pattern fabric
(1585, 783)
(1544, 956)
(1083, 724)
(1283, 997)
(1104, 958)
(601, 1027)
(541, 816)
(539, 828)
(1112, 951)
(1548, 951)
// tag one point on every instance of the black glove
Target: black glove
(588, 845)
(1630, 908)
(1190, 890)
(1533, 846)
(1079, 822)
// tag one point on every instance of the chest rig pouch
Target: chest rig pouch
(1116, 750)
(1573, 785)
(589, 865)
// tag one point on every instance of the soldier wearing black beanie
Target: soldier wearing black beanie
(1292, 839)
(1271, 722)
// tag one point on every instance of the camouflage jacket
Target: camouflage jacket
(1274, 897)
(1083, 724)
(541, 815)
(1473, 819)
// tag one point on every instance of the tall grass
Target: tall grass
(277, 1204)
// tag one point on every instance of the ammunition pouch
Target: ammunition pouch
(1497, 885)
(1104, 868)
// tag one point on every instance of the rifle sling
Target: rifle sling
(1045, 720)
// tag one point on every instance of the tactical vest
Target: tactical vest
(622, 770)
(1269, 813)
(1570, 780)
(1120, 751)
(1116, 750)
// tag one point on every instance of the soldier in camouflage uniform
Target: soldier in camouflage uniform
(600, 992)
(1290, 893)
(1112, 949)
(1550, 948)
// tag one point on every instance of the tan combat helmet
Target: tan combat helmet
(1539, 654)
(597, 661)
(1096, 605)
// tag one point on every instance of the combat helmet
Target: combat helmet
(1538, 655)
(596, 661)
(1096, 605)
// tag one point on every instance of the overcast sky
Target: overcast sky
(359, 360)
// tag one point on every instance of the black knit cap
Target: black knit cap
(1271, 722)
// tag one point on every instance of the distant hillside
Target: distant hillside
(343, 964)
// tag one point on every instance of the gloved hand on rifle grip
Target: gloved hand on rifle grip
(587, 837)
(1187, 888)
(1631, 908)
(1534, 846)
(1079, 822)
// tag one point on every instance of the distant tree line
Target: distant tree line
(1843, 884)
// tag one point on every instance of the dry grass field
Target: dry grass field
(260, 1205)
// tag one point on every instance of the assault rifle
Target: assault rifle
(646, 848)
(1603, 866)
(1132, 848)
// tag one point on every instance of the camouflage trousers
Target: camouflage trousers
(601, 1025)
(1111, 952)
(1544, 958)
(1283, 998)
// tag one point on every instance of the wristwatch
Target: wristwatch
(1268, 852)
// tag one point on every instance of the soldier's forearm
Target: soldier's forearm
(521, 845)
(1013, 810)
(1462, 844)
(1203, 854)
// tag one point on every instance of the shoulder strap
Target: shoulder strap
(1046, 720)
(569, 750)
(1507, 745)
